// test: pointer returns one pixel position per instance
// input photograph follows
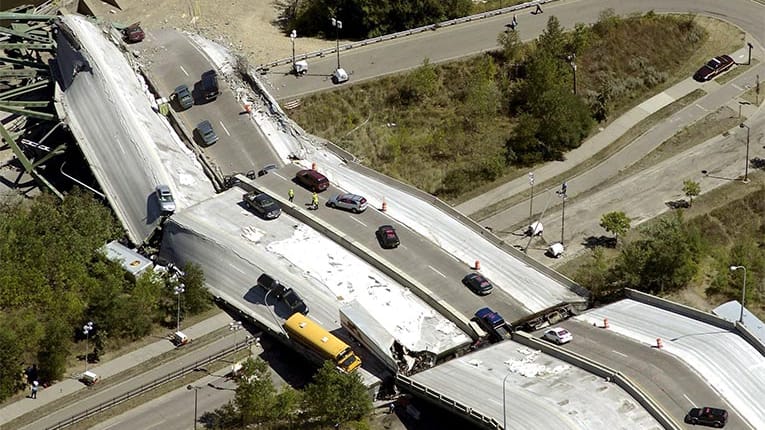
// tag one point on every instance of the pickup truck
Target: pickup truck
(494, 324)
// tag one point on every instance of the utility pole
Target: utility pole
(562, 194)
(531, 200)
(178, 290)
(746, 166)
(293, 35)
(338, 25)
(86, 329)
(749, 61)
(572, 61)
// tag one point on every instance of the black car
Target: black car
(387, 237)
(263, 204)
(269, 283)
(209, 85)
(708, 416)
(478, 283)
(714, 67)
(183, 96)
(293, 301)
(267, 168)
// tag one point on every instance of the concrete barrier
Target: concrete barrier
(369, 256)
(697, 314)
(680, 309)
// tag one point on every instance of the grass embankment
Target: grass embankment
(428, 138)
(732, 220)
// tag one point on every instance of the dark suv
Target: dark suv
(312, 180)
(293, 301)
(708, 416)
(269, 283)
(210, 85)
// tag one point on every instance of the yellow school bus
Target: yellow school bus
(316, 338)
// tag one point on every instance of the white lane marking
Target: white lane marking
(737, 87)
(279, 176)
(702, 107)
(619, 353)
(689, 400)
(237, 269)
(184, 71)
(224, 128)
(434, 269)
(354, 218)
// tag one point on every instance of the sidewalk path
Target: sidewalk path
(66, 387)
(595, 144)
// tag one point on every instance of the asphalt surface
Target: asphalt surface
(173, 60)
(449, 43)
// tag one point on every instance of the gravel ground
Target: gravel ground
(248, 27)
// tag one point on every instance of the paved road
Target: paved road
(662, 376)
(464, 40)
(173, 60)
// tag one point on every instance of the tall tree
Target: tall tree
(336, 397)
(616, 222)
(54, 349)
(10, 365)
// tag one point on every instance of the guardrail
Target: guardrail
(405, 33)
(147, 387)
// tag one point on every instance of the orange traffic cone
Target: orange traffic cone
(477, 265)
(384, 205)
(659, 343)
(605, 322)
(313, 166)
(247, 107)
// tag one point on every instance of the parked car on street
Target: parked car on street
(182, 96)
(387, 237)
(347, 201)
(708, 416)
(269, 283)
(478, 283)
(165, 199)
(558, 335)
(205, 134)
(714, 67)
(312, 180)
(263, 204)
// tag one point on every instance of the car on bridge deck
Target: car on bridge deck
(312, 180)
(708, 416)
(558, 335)
(209, 85)
(350, 202)
(205, 134)
(182, 96)
(263, 204)
(165, 199)
(387, 237)
(478, 283)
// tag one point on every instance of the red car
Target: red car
(714, 67)
(312, 180)
(133, 33)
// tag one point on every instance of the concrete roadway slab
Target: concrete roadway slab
(540, 392)
(173, 59)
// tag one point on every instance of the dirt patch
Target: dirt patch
(247, 27)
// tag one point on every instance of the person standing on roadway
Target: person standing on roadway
(291, 194)
(315, 201)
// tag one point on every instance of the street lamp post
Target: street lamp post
(743, 292)
(235, 326)
(562, 194)
(746, 166)
(196, 389)
(504, 403)
(86, 329)
(293, 35)
(750, 46)
(178, 290)
(531, 200)
(338, 25)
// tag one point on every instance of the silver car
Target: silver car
(350, 202)
(165, 199)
